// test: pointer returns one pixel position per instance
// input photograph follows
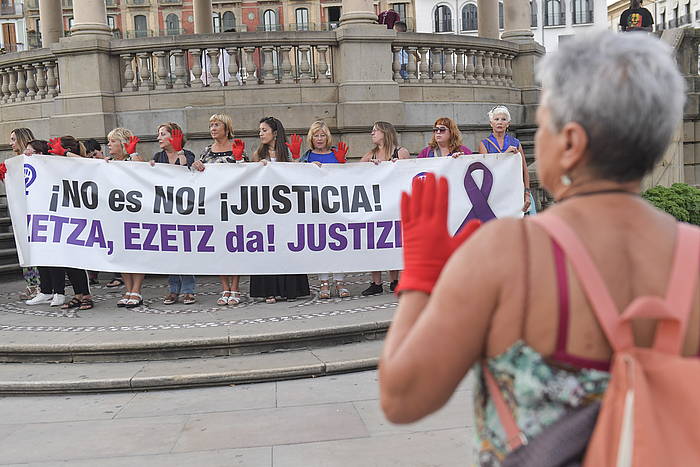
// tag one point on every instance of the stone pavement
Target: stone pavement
(329, 421)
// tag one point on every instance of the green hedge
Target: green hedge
(682, 201)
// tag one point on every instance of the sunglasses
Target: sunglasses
(440, 129)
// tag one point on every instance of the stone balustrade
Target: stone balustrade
(461, 60)
(225, 60)
(28, 76)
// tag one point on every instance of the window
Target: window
(172, 25)
(533, 13)
(553, 13)
(583, 11)
(469, 17)
(216, 21)
(111, 22)
(140, 26)
(400, 8)
(71, 21)
(229, 21)
(302, 18)
(270, 20)
(443, 19)
(500, 15)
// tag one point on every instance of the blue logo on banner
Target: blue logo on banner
(29, 177)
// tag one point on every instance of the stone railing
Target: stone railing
(430, 59)
(225, 60)
(28, 76)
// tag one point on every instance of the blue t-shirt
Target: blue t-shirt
(322, 158)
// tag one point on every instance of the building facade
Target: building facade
(552, 21)
(12, 21)
(668, 14)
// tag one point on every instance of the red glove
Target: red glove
(295, 146)
(175, 140)
(341, 152)
(3, 171)
(56, 148)
(131, 145)
(237, 149)
(427, 245)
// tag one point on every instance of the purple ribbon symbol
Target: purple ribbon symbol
(478, 196)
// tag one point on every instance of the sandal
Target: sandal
(86, 303)
(235, 298)
(124, 300)
(170, 299)
(116, 282)
(134, 302)
(340, 290)
(270, 300)
(74, 302)
(188, 299)
(30, 292)
(324, 291)
(223, 300)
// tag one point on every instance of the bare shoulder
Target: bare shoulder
(482, 148)
(404, 154)
(367, 157)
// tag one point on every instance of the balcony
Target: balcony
(32, 4)
(138, 3)
(112, 3)
(582, 17)
(67, 3)
(138, 33)
(169, 2)
(555, 19)
(12, 10)
(171, 32)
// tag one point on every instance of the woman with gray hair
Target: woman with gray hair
(503, 142)
(610, 104)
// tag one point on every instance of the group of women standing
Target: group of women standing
(274, 147)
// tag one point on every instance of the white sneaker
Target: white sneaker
(40, 299)
(58, 300)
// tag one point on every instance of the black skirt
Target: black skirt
(286, 286)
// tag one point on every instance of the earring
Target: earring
(565, 180)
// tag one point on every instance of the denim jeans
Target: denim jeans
(181, 284)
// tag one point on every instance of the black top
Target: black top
(162, 157)
(635, 18)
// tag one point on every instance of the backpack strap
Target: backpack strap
(620, 337)
(514, 437)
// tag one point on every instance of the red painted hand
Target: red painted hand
(341, 152)
(130, 147)
(3, 171)
(237, 149)
(176, 140)
(295, 146)
(56, 148)
(427, 245)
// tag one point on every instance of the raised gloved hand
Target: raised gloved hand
(130, 147)
(341, 152)
(237, 149)
(295, 146)
(3, 171)
(427, 245)
(176, 139)
(56, 148)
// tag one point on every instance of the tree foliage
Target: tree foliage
(680, 200)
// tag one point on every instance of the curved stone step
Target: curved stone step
(45, 378)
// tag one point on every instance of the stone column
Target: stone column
(488, 18)
(90, 18)
(51, 21)
(357, 12)
(517, 21)
(202, 17)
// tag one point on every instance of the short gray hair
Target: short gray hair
(498, 110)
(625, 90)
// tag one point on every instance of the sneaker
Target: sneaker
(58, 300)
(373, 289)
(393, 285)
(40, 299)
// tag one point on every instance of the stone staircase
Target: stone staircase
(9, 263)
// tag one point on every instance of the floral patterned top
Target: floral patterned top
(210, 157)
(537, 392)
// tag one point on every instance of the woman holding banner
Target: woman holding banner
(446, 140)
(121, 143)
(274, 148)
(519, 301)
(500, 141)
(224, 150)
(19, 138)
(386, 148)
(321, 151)
(171, 141)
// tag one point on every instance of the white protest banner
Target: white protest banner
(236, 218)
